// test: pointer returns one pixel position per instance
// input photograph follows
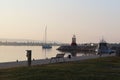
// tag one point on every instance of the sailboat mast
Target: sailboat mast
(45, 34)
(46, 46)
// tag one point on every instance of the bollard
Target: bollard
(29, 53)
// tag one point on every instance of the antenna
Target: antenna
(103, 40)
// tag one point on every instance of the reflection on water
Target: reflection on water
(46, 52)
(13, 53)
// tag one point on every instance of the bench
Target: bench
(58, 58)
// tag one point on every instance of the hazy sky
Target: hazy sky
(89, 20)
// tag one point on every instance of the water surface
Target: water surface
(13, 53)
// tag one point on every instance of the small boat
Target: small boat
(45, 45)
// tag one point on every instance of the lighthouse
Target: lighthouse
(73, 41)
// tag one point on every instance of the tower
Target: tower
(73, 41)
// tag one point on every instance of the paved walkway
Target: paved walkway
(47, 61)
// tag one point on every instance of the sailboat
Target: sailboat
(45, 45)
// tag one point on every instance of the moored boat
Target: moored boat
(45, 45)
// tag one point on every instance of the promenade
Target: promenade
(47, 61)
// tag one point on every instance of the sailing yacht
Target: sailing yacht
(45, 45)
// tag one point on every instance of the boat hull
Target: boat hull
(46, 46)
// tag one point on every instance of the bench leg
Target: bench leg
(63, 60)
(50, 60)
(57, 59)
(53, 59)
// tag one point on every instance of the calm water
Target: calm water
(13, 53)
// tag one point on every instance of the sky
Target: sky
(89, 20)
